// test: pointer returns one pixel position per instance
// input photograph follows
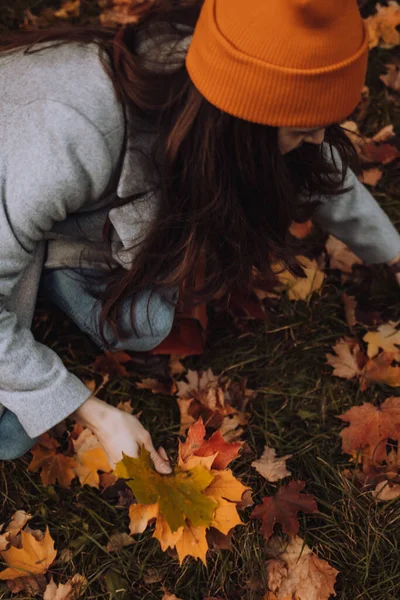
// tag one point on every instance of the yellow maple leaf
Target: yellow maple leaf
(33, 558)
(225, 485)
(192, 542)
(301, 288)
(90, 458)
(386, 337)
(164, 535)
(225, 516)
(140, 515)
(382, 26)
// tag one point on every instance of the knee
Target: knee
(153, 317)
(14, 441)
(15, 450)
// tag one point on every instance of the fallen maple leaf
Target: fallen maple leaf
(370, 427)
(70, 590)
(380, 370)
(54, 465)
(349, 360)
(387, 338)
(382, 26)
(32, 585)
(187, 502)
(140, 515)
(117, 541)
(220, 403)
(18, 521)
(179, 495)
(89, 458)
(295, 573)
(33, 558)
(196, 446)
(283, 509)
(301, 288)
(270, 467)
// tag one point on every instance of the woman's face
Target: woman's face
(291, 138)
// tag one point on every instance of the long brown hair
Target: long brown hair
(227, 195)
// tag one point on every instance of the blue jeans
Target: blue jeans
(64, 287)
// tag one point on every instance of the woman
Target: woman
(200, 139)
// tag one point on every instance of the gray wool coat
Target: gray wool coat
(61, 164)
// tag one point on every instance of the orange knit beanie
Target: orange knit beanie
(287, 63)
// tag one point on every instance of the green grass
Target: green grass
(295, 411)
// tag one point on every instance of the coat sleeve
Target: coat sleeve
(54, 161)
(357, 220)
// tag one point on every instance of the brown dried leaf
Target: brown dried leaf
(385, 491)
(307, 576)
(271, 468)
(117, 541)
(66, 591)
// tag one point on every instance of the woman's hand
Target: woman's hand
(118, 432)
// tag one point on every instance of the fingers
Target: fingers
(161, 463)
(162, 453)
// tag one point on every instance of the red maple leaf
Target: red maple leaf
(283, 509)
(196, 445)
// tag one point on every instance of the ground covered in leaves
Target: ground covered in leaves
(325, 348)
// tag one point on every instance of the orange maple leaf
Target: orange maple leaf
(370, 427)
(33, 558)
